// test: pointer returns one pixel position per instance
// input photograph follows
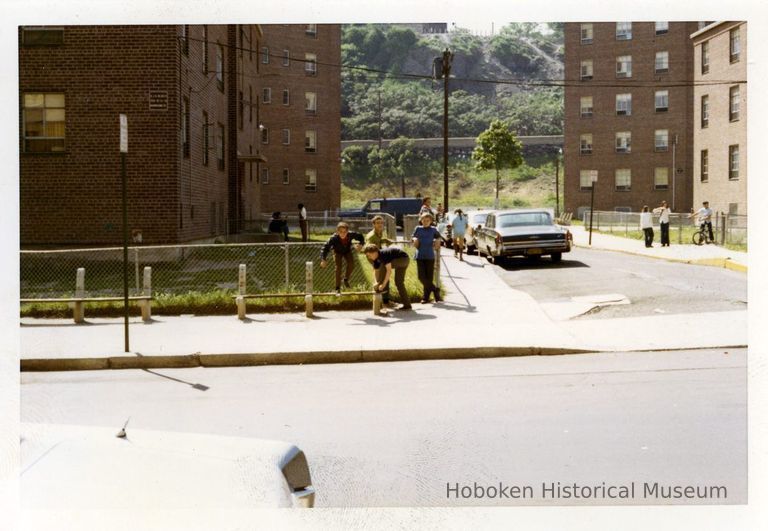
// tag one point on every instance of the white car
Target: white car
(69, 470)
(475, 221)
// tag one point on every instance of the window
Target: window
(205, 49)
(586, 178)
(310, 141)
(310, 102)
(265, 55)
(264, 175)
(661, 140)
(661, 100)
(704, 177)
(705, 57)
(623, 31)
(220, 66)
(264, 135)
(220, 146)
(733, 209)
(662, 28)
(624, 104)
(311, 30)
(624, 66)
(587, 33)
(623, 178)
(310, 65)
(624, 142)
(185, 39)
(42, 36)
(586, 106)
(735, 45)
(661, 178)
(586, 69)
(205, 138)
(286, 58)
(286, 136)
(286, 176)
(733, 107)
(704, 111)
(185, 127)
(310, 180)
(286, 97)
(44, 124)
(662, 62)
(266, 95)
(586, 144)
(733, 162)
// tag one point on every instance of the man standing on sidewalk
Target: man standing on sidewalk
(341, 242)
(646, 223)
(704, 215)
(303, 225)
(663, 212)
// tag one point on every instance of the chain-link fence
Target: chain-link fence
(178, 270)
(319, 223)
(726, 228)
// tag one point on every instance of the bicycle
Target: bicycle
(701, 236)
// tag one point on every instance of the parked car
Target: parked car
(475, 221)
(530, 233)
(68, 471)
(395, 206)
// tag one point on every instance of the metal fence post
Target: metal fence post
(136, 263)
(240, 300)
(287, 267)
(626, 225)
(723, 219)
(308, 305)
(679, 229)
(146, 305)
(79, 308)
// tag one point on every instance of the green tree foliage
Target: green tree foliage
(498, 148)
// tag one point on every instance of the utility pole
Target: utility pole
(447, 60)
(123, 179)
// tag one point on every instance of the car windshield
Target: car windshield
(523, 219)
(479, 218)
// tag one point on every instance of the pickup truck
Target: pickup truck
(396, 206)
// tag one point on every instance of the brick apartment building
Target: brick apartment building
(720, 117)
(194, 141)
(628, 115)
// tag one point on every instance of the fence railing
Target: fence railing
(182, 269)
(727, 229)
(320, 223)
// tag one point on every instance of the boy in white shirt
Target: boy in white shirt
(646, 224)
(663, 212)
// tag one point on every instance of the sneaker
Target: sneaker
(338, 292)
(346, 283)
(403, 307)
(424, 301)
(438, 298)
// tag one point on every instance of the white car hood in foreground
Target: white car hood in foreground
(72, 468)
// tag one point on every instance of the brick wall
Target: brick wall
(644, 120)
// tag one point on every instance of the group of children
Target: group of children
(387, 259)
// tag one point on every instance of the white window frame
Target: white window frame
(624, 66)
(662, 28)
(286, 96)
(623, 31)
(310, 180)
(310, 141)
(661, 100)
(586, 69)
(661, 178)
(624, 104)
(264, 177)
(587, 33)
(623, 179)
(733, 162)
(310, 64)
(661, 62)
(286, 137)
(586, 179)
(586, 106)
(310, 102)
(661, 140)
(286, 176)
(734, 103)
(585, 144)
(623, 142)
(266, 95)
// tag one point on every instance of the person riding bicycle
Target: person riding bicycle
(704, 218)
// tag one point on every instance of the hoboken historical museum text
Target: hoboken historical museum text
(557, 490)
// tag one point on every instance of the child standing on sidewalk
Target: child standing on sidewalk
(341, 242)
(426, 239)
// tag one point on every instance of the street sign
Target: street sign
(123, 133)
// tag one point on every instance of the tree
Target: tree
(497, 148)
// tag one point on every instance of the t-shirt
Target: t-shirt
(645, 220)
(459, 225)
(426, 237)
(387, 255)
(663, 213)
(380, 241)
(704, 214)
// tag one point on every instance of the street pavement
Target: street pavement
(481, 317)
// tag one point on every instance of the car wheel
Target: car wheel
(557, 257)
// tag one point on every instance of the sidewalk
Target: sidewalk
(481, 317)
(712, 255)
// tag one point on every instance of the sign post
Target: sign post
(123, 152)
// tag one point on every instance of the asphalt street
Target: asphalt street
(652, 286)
(399, 434)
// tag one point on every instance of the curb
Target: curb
(725, 263)
(285, 358)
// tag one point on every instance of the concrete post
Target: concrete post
(146, 305)
(79, 308)
(377, 303)
(723, 220)
(309, 273)
(240, 300)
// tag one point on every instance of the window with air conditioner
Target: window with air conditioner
(624, 142)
